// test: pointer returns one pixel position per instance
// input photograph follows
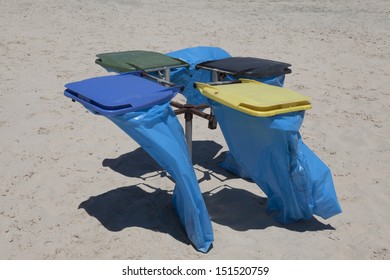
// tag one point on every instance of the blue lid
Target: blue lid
(119, 94)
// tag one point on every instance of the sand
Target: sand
(74, 186)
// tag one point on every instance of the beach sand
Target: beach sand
(74, 186)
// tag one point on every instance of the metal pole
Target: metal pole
(188, 131)
(215, 78)
(188, 118)
(167, 74)
(214, 75)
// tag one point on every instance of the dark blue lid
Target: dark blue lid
(119, 94)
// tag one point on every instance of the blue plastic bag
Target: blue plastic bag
(141, 109)
(188, 76)
(270, 152)
(159, 132)
(229, 163)
(273, 81)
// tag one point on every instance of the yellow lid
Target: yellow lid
(255, 98)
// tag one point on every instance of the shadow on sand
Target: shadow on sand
(150, 208)
(138, 163)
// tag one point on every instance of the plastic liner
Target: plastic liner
(272, 81)
(188, 76)
(229, 162)
(151, 122)
(159, 132)
(270, 152)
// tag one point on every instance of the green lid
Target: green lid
(128, 61)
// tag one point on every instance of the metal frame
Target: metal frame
(215, 72)
(189, 110)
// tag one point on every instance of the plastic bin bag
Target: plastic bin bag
(159, 132)
(270, 152)
(188, 76)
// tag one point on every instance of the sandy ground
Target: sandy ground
(74, 186)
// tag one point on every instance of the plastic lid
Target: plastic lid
(119, 94)
(255, 98)
(137, 60)
(249, 67)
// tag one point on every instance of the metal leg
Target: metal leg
(213, 121)
(188, 131)
(167, 74)
(214, 76)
